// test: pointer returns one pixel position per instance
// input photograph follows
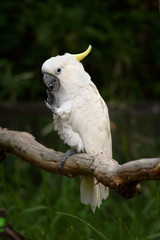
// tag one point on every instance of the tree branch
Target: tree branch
(124, 179)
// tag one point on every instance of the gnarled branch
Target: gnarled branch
(124, 179)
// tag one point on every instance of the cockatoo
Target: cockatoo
(80, 116)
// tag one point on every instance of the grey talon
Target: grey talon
(65, 157)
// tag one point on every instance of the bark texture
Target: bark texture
(125, 179)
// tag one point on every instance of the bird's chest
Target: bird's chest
(65, 130)
(62, 125)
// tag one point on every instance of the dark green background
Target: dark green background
(124, 64)
(125, 35)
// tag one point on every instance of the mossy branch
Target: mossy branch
(125, 179)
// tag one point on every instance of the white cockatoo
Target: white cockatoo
(80, 116)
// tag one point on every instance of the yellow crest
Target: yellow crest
(80, 56)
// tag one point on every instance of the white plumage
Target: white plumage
(81, 118)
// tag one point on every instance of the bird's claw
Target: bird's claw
(64, 158)
(50, 98)
(50, 102)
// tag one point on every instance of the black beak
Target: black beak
(51, 82)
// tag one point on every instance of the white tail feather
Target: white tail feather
(92, 192)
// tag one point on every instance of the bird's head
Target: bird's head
(65, 72)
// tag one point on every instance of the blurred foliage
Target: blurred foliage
(125, 59)
(32, 206)
(124, 64)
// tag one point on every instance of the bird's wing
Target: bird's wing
(90, 119)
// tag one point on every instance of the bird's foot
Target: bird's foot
(50, 98)
(64, 158)
(50, 102)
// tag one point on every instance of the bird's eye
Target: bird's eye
(58, 70)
